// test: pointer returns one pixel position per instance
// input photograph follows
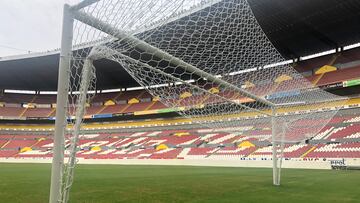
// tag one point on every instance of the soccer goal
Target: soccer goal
(208, 58)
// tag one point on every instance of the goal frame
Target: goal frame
(72, 13)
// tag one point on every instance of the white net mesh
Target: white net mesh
(210, 59)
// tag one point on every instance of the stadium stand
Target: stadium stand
(166, 137)
(247, 142)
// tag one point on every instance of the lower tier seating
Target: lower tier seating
(193, 144)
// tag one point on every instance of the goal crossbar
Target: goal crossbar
(83, 4)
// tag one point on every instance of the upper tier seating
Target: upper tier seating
(11, 111)
(351, 70)
(17, 98)
(45, 99)
(37, 112)
(339, 76)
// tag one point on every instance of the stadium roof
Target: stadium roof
(295, 27)
(303, 27)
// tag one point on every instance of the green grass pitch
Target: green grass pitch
(115, 183)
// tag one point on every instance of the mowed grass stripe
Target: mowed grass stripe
(116, 183)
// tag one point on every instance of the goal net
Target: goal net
(208, 59)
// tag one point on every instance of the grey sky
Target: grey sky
(33, 25)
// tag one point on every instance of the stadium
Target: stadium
(186, 101)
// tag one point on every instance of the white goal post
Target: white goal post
(211, 57)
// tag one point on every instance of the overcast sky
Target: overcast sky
(30, 25)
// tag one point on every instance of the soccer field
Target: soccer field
(115, 183)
